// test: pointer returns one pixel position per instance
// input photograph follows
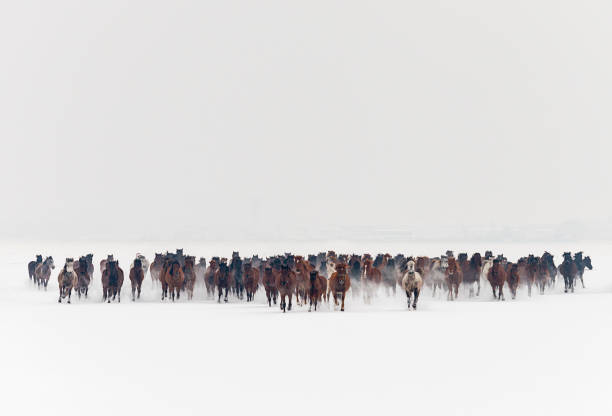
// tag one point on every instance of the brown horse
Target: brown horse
(370, 280)
(513, 278)
(173, 277)
(104, 262)
(527, 270)
(251, 280)
(223, 280)
(423, 266)
(189, 275)
(209, 277)
(83, 277)
(43, 272)
(286, 286)
(339, 283)
(112, 281)
(454, 277)
(156, 268)
(67, 279)
(497, 278)
(543, 277)
(136, 277)
(471, 271)
(269, 282)
(32, 266)
(302, 276)
(316, 289)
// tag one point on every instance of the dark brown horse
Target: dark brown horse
(173, 277)
(223, 280)
(189, 275)
(497, 278)
(112, 281)
(286, 286)
(269, 282)
(43, 272)
(528, 270)
(513, 278)
(251, 281)
(32, 266)
(339, 283)
(156, 268)
(454, 277)
(136, 277)
(66, 279)
(569, 271)
(83, 277)
(315, 290)
(209, 277)
(471, 271)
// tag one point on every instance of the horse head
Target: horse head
(587, 262)
(410, 266)
(39, 258)
(567, 256)
(137, 263)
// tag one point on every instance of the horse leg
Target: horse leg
(139, 288)
(501, 292)
(220, 293)
(133, 293)
(343, 296)
(60, 295)
(69, 294)
(478, 290)
(408, 296)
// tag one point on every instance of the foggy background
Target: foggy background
(272, 119)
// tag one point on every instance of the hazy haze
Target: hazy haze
(154, 119)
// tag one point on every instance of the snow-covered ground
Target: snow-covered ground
(549, 354)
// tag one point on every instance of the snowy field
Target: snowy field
(549, 354)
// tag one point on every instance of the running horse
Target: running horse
(370, 279)
(315, 290)
(189, 275)
(112, 281)
(83, 278)
(285, 285)
(354, 272)
(412, 282)
(581, 264)
(339, 283)
(569, 271)
(236, 274)
(513, 278)
(251, 280)
(454, 277)
(497, 278)
(438, 273)
(471, 271)
(269, 282)
(67, 279)
(156, 268)
(302, 273)
(32, 266)
(223, 280)
(389, 277)
(209, 276)
(136, 277)
(43, 272)
(174, 277)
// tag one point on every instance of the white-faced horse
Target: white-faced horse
(412, 282)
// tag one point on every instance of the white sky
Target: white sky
(129, 116)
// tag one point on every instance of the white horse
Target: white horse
(438, 273)
(412, 282)
(484, 273)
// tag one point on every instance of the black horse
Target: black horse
(236, 271)
(581, 264)
(569, 271)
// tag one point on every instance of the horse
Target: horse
(285, 285)
(497, 278)
(236, 274)
(43, 272)
(103, 263)
(173, 277)
(83, 278)
(550, 265)
(302, 273)
(223, 280)
(389, 278)
(412, 282)
(354, 272)
(316, 289)
(137, 275)
(513, 278)
(112, 281)
(32, 266)
(156, 268)
(144, 262)
(569, 271)
(339, 283)
(454, 277)
(189, 275)
(200, 269)
(251, 281)
(422, 265)
(438, 273)
(67, 279)
(581, 264)
(269, 282)
(471, 271)
(370, 280)
(209, 276)
(528, 270)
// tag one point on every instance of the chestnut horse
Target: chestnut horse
(43, 272)
(513, 278)
(316, 289)
(209, 276)
(370, 279)
(302, 273)
(286, 286)
(83, 277)
(136, 277)
(269, 282)
(173, 277)
(32, 266)
(497, 278)
(339, 283)
(412, 282)
(189, 275)
(112, 281)
(454, 277)
(251, 281)
(223, 280)
(67, 279)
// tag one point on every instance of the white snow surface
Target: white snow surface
(548, 354)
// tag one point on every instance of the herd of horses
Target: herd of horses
(315, 279)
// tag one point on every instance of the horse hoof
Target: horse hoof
(68, 302)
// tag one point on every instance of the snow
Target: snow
(547, 353)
